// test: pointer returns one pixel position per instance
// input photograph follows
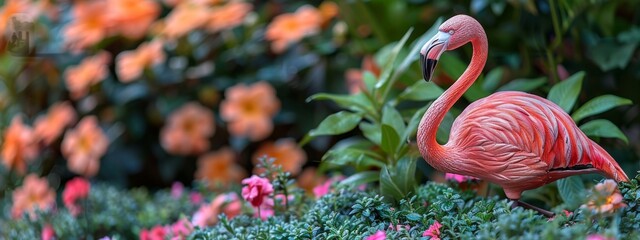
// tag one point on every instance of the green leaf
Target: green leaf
(413, 123)
(390, 139)
(524, 85)
(609, 54)
(454, 67)
(389, 65)
(369, 80)
(421, 91)
(603, 128)
(360, 178)
(337, 123)
(392, 117)
(566, 92)
(571, 191)
(357, 103)
(397, 182)
(353, 156)
(493, 79)
(598, 105)
(371, 132)
(414, 217)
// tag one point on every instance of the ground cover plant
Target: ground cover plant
(193, 119)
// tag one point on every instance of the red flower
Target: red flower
(74, 190)
(433, 231)
(257, 190)
(48, 233)
(155, 233)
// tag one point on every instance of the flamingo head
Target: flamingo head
(452, 34)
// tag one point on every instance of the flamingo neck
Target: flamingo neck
(434, 153)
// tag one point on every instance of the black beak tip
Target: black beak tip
(428, 67)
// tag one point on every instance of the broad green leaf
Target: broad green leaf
(524, 85)
(571, 191)
(421, 91)
(610, 54)
(414, 53)
(369, 80)
(566, 92)
(413, 123)
(598, 105)
(390, 139)
(337, 123)
(397, 182)
(357, 103)
(392, 117)
(603, 128)
(371, 132)
(389, 65)
(493, 79)
(454, 67)
(353, 156)
(360, 178)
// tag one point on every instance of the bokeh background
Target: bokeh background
(147, 93)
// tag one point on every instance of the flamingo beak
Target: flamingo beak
(430, 53)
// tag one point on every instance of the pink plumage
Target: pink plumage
(517, 140)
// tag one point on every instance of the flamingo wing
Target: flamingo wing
(525, 140)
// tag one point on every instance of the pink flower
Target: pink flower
(459, 178)
(379, 235)
(433, 231)
(176, 190)
(76, 189)
(156, 233)
(324, 188)
(257, 190)
(207, 215)
(265, 210)
(181, 229)
(48, 233)
(196, 198)
(597, 237)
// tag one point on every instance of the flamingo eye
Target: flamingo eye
(450, 32)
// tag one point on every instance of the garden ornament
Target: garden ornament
(514, 139)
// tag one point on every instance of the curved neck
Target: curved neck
(430, 149)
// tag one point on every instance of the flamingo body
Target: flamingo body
(517, 140)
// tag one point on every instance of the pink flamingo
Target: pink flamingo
(514, 139)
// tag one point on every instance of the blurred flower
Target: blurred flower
(184, 18)
(181, 229)
(267, 210)
(19, 146)
(605, 198)
(219, 168)
(90, 24)
(33, 194)
(48, 233)
(289, 28)
(354, 77)
(459, 178)
(12, 7)
(379, 235)
(597, 237)
(188, 130)
(83, 147)
(196, 198)
(433, 231)
(50, 127)
(91, 71)
(228, 16)
(286, 152)
(176, 190)
(76, 189)
(399, 227)
(132, 18)
(207, 215)
(131, 64)
(309, 179)
(328, 10)
(249, 109)
(256, 190)
(156, 233)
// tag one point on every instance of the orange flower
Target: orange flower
(249, 109)
(309, 179)
(19, 146)
(219, 168)
(89, 26)
(328, 10)
(228, 16)
(354, 77)
(605, 198)
(286, 154)
(49, 127)
(84, 146)
(130, 64)
(33, 194)
(132, 18)
(188, 130)
(292, 27)
(184, 18)
(91, 71)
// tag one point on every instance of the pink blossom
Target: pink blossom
(399, 227)
(207, 215)
(181, 229)
(597, 237)
(459, 178)
(265, 210)
(176, 190)
(433, 231)
(48, 233)
(196, 198)
(379, 235)
(75, 189)
(257, 190)
(325, 188)
(156, 233)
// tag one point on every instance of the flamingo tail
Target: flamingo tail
(605, 163)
